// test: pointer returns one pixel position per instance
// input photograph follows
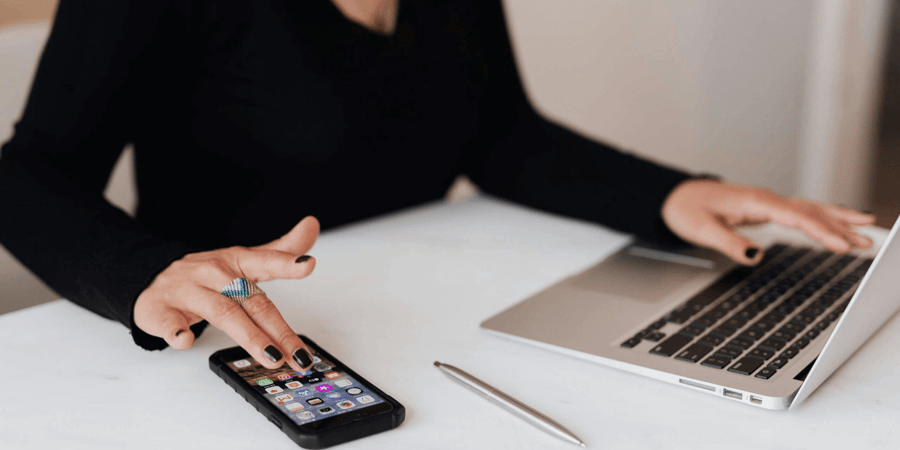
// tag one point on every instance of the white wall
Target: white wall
(714, 86)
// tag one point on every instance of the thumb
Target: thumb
(714, 234)
(299, 240)
(167, 323)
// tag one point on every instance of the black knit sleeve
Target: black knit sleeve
(525, 158)
(79, 115)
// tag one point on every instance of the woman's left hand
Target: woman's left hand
(706, 212)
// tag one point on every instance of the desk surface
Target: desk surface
(389, 297)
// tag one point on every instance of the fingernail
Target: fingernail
(178, 333)
(751, 252)
(303, 259)
(272, 354)
(301, 356)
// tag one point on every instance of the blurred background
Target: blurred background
(800, 96)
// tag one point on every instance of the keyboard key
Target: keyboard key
(712, 339)
(765, 325)
(729, 352)
(800, 319)
(703, 322)
(773, 344)
(716, 362)
(692, 330)
(762, 353)
(631, 342)
(740, 343)
(789, 353)
(753, 334)
(746, 365)
(778, 363)
(694, 352)
(766, 373)
(822, 325)
(671, 345)
(801, 343)
(678, 318)
(785, 334)
(658, 324)
(656, 336)
(723, 331)
(811, 334)
(795, 327)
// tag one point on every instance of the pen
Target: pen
(510, 404)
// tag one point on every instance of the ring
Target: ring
(240, 289)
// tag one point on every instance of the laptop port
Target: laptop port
(696, 384)
(732, 394)
(755, 400)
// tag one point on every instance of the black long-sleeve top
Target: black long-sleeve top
(248, 115)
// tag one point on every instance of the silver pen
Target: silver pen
(510, 404)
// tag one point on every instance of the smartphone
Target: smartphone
(327, 405)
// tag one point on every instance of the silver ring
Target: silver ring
(240, 289)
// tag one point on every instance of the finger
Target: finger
(850, 235)
(711, 233)
(167, 323)
(794, 215)
(264, 313)
(264, 265)
(851, 216)
(229, 317)
(299, 240)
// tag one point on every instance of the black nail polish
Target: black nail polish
(272, 354)
(751, 252)
(303, 259)
(301, 356)
(178, 333)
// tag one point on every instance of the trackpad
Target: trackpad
(642, 278)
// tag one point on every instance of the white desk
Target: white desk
(389, 297)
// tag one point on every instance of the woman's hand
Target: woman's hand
(189, 290)
(705, 212)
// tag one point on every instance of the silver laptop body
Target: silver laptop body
(609, 314)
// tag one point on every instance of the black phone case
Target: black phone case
(327, 437)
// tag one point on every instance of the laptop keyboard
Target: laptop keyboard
(752, 321)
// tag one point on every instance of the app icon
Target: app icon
(333, 395)
(283, 376)
(303, 392)
(365, 399)
(305, 415)
(293, 384)
(305, 373)
(342, 383)
(242, 363)
(313, 380)
(332, 375)
(321, 367)
(284, 398)
(315, 401)
(316, 359)
(273, 390)
(264, 381)
(326, 410)
(294, 407)
(354, 391)
(324, 387)
(346, 404)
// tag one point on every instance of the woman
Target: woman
(248, 116)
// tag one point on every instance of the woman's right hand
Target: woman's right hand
(189, 291)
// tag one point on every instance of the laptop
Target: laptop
(766, 336)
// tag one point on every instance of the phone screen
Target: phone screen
(323, 392)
